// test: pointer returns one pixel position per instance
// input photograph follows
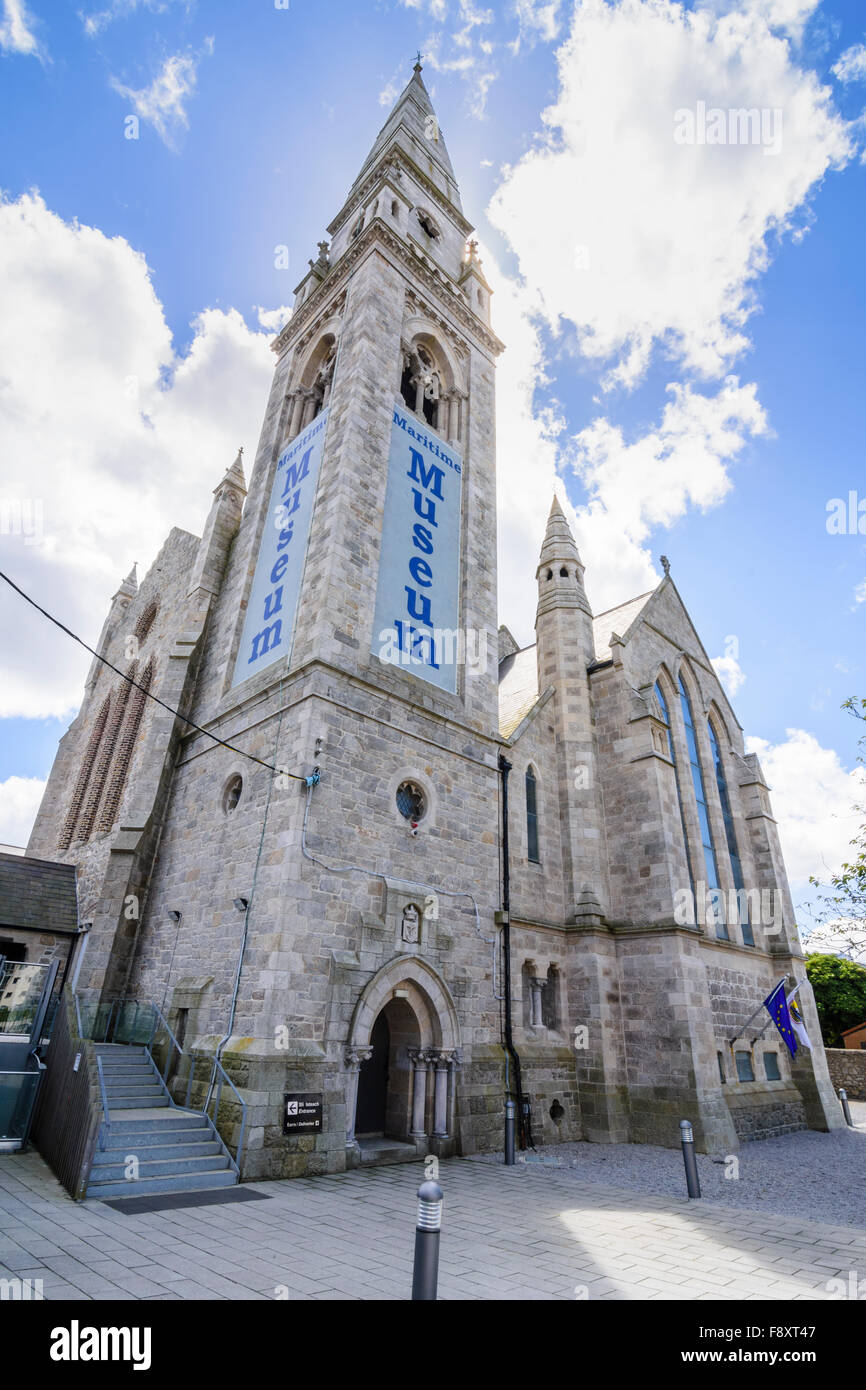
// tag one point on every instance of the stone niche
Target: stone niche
(411, 921)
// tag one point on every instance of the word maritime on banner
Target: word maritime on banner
(273, 603)
(418, 595)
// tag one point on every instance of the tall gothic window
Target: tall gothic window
(711, 867)
(83, 780)
(730, 835)
(663, 706)
(532, 817)
(126, 747)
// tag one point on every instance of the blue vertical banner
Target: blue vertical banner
(417, 612)
(273, 601)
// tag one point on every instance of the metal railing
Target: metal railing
(130, 1020)
(105, 1127)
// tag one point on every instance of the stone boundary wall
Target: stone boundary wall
(848, 1068)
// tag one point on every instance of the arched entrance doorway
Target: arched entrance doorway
(400, 1062)
(385, 1077)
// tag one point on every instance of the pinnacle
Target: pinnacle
(130, 583)
(234, 476)
(559, 543)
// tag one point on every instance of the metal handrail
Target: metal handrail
(160, 1019)
(218, 1067)
(172, 1039)
(105, 1127)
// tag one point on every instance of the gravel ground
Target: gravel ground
(821, 1177)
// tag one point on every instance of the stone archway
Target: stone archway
(401, 1054)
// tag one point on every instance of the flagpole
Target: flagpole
(762, 1005)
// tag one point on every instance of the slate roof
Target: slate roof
(518, 673)
(37, 893)
(617, 620)
(518, 688)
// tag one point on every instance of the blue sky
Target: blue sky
(254, 120)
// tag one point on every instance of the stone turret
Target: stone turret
(563, 621)
(565, 649)
(220, 530)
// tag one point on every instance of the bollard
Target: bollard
(425, 1275)
(846, 1109)
(693, 1182)
(510, 1125)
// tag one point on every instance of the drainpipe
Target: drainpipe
(508, 1040)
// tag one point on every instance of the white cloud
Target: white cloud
(102, 423)
(272, 320)
(813, 797)
(538, 19)
(851, 66)
(163, 103)
(860, 592)
(643, 243)
(19, 802)
(17, 30)
(788, 16)
(651, 482)
(730, 673)
(97, 20)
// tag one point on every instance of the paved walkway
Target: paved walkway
(508, 1233)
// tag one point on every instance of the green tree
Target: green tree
(840, 994)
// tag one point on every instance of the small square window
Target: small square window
(745, 1070)
(771, 1066)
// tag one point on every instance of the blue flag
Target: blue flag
(777, 1007)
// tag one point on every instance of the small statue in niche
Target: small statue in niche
(411, 923)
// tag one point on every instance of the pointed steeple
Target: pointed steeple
(234, 476)
(220, 530)
(413, 128)
(560, 568)
(129, 587)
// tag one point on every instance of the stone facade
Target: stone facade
(848, 1070)
(254, 874)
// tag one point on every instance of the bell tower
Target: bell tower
(370, 533)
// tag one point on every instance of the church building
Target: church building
(384, 865)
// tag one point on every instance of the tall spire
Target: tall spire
(129, 587)
(234, 475)
(560, 568)
(413, 128)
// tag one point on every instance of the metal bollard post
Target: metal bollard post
(846, 1109)
(425, 1275)
(510, 1126)
(693, 1182)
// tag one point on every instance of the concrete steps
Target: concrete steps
(174, 1150)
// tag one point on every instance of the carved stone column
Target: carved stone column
(297, 414)
(354, 1057)
(443, 1061)
(419, 1057)
(536, 985)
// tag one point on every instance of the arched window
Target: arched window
(105, 756)
(422, 386)
(126, 745)
(84, 775)
(730, 836)
(145, 622)
(531, 817)
(663, 706)
(711, 867)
